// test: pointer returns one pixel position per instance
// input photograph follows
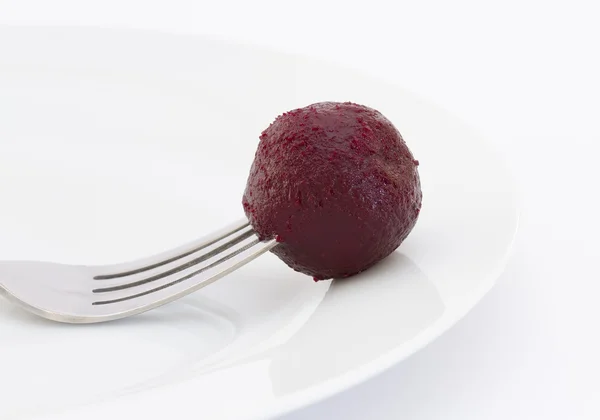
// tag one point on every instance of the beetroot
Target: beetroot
(336, 185)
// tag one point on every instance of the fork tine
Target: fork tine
(160, 260)
(182, 264)
(127, 302)
(126, 291)
(173, 280)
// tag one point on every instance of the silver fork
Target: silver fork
(89, 294)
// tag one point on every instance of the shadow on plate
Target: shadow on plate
(360, 319)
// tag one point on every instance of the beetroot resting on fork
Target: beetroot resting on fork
(336, 185)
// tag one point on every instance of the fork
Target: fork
(91, 294)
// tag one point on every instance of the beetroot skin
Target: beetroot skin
(336, 185)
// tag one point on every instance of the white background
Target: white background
(525, 73)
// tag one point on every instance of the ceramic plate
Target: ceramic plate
(116, 145)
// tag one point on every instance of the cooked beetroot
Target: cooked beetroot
(336, 185)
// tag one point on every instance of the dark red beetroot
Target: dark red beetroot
(336, 184)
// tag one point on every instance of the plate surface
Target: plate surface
(115, 145)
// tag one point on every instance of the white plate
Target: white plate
(115, 145)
